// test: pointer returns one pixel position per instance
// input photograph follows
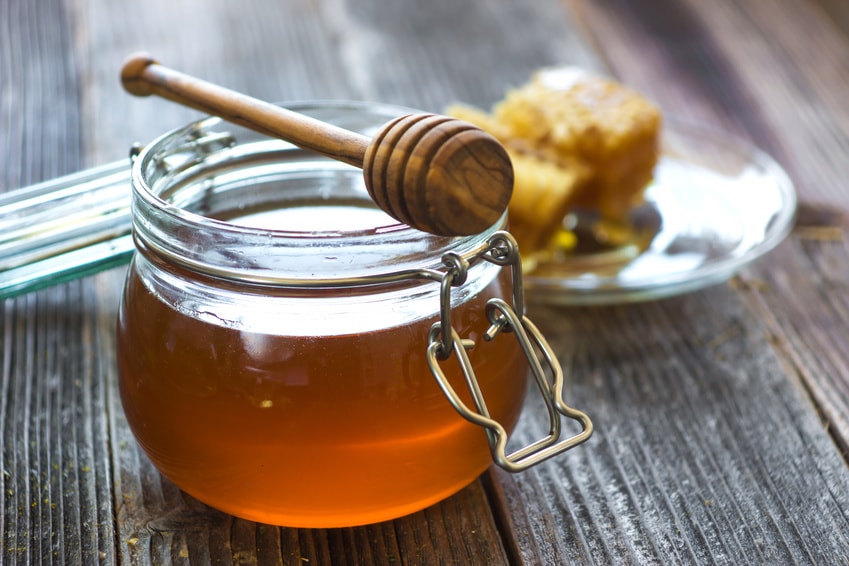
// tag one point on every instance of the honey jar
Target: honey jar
(290, 354)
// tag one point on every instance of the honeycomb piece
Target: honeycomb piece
(569, 113)
(576, 140)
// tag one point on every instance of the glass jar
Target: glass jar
(280, 341)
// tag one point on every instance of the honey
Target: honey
(315, 431)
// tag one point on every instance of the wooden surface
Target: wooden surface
(722, 416)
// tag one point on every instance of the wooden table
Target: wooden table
(722, 416)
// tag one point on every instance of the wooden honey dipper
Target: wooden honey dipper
(431, 172)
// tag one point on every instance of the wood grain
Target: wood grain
(704, 451)
(56, 497)
(721, 416)
(762, 69)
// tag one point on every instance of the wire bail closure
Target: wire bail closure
(504, 318)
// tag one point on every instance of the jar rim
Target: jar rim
(204, 152)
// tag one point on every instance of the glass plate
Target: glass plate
(716, 204)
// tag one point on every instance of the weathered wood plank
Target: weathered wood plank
(57, 500)
(774, 73)
(707, 448)
(55, 503)
(704, 450)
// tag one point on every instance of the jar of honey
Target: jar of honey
(290, 354)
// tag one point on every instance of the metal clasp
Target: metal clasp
(504, 318)
(201, 143)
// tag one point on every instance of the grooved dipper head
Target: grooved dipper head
(439, 174)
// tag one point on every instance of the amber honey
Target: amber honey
(315, 431)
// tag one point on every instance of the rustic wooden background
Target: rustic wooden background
(722, 416)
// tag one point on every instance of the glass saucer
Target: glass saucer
(716, 204)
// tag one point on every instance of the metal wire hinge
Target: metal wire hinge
(545, 368)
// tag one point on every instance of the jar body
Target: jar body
(306, 407)
(309, 431)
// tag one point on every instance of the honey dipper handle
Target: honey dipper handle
(141, 75)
